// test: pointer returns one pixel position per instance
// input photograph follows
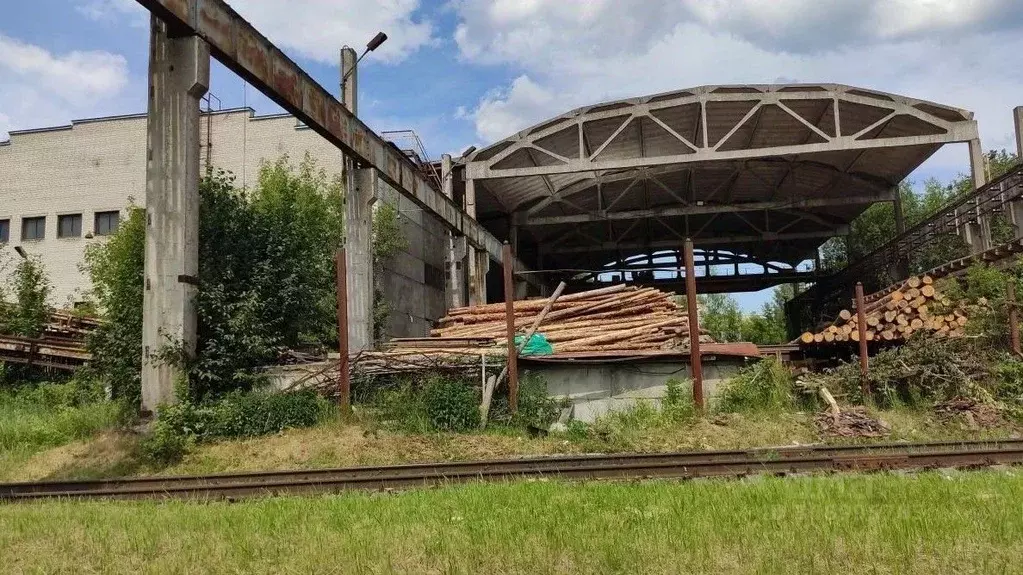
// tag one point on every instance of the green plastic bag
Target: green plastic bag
(537, 345)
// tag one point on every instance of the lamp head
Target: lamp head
(377, 40)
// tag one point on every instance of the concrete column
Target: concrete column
(1017, 121)
(350, 86)
(359, 258)
(455, 277)
(179, 74)
(478, 266)
(977, 164)
(1015, 209)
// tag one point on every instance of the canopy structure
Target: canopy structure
(760, 174)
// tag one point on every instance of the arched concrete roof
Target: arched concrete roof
(771, 171)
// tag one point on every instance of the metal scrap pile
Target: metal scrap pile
(61, 346)
(617, 318)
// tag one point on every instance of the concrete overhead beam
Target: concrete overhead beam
(691, 210)
(240, 47)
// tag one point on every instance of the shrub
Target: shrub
(1009, 382)
(451, 404)
(238, 414)
(30, 289)
(762, 386)
(536, 409)
(677, 404)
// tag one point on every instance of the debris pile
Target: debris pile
(975, 414)
(616, 318)
(896, 313)
(61, 346)
(851, 422)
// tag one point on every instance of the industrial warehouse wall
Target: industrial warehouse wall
(413, 282)
(99, 164)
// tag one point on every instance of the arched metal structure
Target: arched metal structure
(767, 171)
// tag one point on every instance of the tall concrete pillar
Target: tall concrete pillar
(359, 258)
(478, 265)
(349, 85)
(977, 167)
(1017, 121)
(455, 277)
(179, 74)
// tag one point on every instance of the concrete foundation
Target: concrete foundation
(596, 389)
(179, 71)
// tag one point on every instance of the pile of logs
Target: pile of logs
(914, 306)
(616, 318)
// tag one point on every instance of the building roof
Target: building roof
(770, 171)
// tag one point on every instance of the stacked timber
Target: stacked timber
(913, 306)
(616, 318)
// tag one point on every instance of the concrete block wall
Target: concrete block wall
(100, 165)
(413, 282)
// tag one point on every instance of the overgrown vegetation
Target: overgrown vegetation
(37, 416)
(266, 280)
(235, 415)
(30, 289)
(763, 386)
(721, 317)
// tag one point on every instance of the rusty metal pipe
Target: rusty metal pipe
(1010, 297)
(507, 262)
(695, 361)
(861, 327)
(344, 375)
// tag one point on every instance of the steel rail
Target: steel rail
(694, 464)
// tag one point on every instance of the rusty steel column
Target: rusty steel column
(344, 386)
(861, 328)
(695, 361)
(1010, 297)
(507, 262)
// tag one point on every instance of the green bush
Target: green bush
(237, 414)
(266, 280)
(763, 386)
(677, 404)
(451, 404)
(1009, 382)
(536, 409)
(30, 289)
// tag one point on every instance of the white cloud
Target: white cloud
(40, 88)
(114, 11)
(316, 29)
(939, 50)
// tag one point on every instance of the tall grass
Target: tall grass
(47, 415)
(930, 523)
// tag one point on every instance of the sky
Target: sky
(471, 72)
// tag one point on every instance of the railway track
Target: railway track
(736, 463)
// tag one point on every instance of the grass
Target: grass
(335, 443)
(32, 422)
(928, 523)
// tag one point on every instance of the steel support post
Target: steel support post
(179, 74)
(508, 263)
(1010, 300)
(695, 360)
(344, 385)
(359, 258)
(861, 328)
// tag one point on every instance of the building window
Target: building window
(69, 226)
(107, 222)
(33, 228)
(5, 231)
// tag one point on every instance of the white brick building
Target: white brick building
(62, 188)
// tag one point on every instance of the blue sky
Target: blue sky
(463, 72)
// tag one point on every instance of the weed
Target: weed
(762, 386)
(677, 404)
(451, 404)
(536, 409)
